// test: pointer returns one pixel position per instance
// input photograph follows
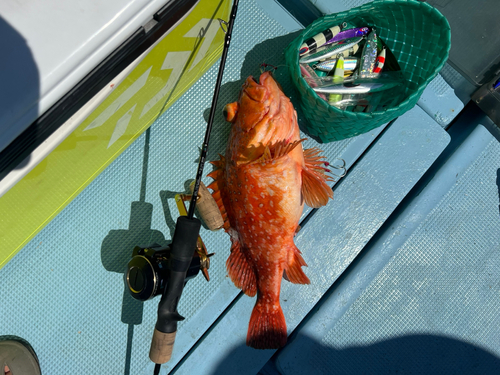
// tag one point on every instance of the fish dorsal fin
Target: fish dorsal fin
(240, 271)
(315, 189)
(276, 151)
(293, 267)
(218, 175)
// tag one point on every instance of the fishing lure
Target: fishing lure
(342, 104)
(369, 55)
(319, 39)
(349, 33)
(350, 63)
(355, 88)
(350, 45)
(310, 76)
(380, 62)
(338, 77)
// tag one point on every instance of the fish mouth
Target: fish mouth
(254, 102)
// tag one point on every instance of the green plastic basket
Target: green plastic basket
(419, 37)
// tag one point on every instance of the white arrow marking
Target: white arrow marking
(120, 101)
(207, 34)
(176, 62)
(121, 126)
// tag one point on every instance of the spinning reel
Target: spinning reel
(149, 269)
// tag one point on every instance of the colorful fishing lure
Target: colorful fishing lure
(380, 62)
(310, 76)
(369, 55)
(332, 50)
(350, 63)
(355, 88)
(349, 33)
(338, 77)
(319, 39)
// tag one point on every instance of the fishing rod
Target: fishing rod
(185, 237)
(227, 40)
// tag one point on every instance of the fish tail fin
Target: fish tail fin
(293, 267)
(240, 271)
(267, 328)
(315, 189)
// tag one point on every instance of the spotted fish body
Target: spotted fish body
(260, 186)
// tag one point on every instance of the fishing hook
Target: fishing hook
(340, 168)
(264, 66)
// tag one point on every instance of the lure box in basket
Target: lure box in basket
(417, 35)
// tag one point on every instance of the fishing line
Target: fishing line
(269, 59)
(197, 44)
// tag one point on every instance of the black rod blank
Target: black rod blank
(204, 150)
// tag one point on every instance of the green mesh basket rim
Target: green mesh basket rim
(292, 57)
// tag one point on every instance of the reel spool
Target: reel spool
(147, 272)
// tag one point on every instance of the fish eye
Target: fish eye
(229, 111)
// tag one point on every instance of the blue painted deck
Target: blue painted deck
(423, 298)
(404, 260)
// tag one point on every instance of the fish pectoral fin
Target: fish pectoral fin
(315, 189)
(293, 267)
(276, 151)
(240, 270)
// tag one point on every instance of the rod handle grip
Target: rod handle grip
(162, 345)
(208, 208)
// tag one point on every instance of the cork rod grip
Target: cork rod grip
(208, 208)
(162, 345)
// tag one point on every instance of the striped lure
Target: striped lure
(319, 39)
(380, 62)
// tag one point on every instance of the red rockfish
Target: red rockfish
(260, 187)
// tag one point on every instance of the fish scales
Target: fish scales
(261, 185)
